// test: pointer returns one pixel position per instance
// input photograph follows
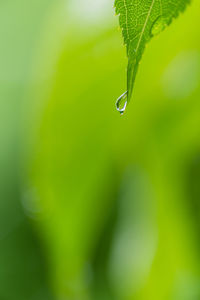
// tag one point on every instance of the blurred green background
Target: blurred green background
(94, 205)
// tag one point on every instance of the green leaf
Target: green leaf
(140, 20)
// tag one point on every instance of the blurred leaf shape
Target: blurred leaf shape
(135, 238)
(140, 21)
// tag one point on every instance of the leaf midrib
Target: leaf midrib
(145, 24)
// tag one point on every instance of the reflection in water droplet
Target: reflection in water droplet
(158, 26)
(121, 103)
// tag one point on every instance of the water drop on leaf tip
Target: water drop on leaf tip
(121, 103)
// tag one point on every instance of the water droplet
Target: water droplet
(121, 103)
(158, 26)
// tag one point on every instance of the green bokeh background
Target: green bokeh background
(94, 205)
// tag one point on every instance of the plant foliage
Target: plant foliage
(140, 20)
